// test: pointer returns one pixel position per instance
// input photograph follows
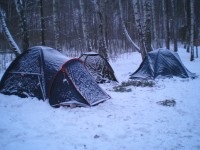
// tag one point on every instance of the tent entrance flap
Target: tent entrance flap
(74, 85)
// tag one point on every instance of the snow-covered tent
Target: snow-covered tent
(73, 84)
(31, 72)
(161, 63)
(100, 69)
(34, 73)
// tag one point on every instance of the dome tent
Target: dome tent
(31, 72)
(100, 69)
(32, 75)
(162, 63)
(73, 84)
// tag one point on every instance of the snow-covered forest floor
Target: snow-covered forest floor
(127, 121)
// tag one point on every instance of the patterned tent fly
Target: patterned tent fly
(33, 73)
(30, 74)
(74, 85)
(98, 67)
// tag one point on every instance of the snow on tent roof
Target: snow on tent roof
(90, 53)
(31, 75)
(162, 63)
(74, 85)
(100, 69)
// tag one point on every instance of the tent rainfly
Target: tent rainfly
(162, 63)
(73, 84)
(99, 67)
(45, 73)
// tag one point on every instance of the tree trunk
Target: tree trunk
(192, 30)
(155, 22)
(139, 24)
(147, 24)
(166, 23)
(187, 19)
(125, 30)
(8, 35)
(86, 39)
(20, 7)
(174, 23)
(42, 23)
(55, 25)
(101, 38)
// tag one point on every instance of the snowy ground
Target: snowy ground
(130, 120)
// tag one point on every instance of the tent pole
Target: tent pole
(42, 90)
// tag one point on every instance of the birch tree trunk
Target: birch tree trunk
(20, 7)
(192, 30)
(147, 25)
(8, 35)
(125, 30)
(139, 24)
(101, 38)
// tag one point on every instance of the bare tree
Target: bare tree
(166, 23)
(139, 24)
(100, 8)
(42, 24)
(174, 23)
(192, 30)
(8, 35)
(147, 24)
(155, 22)
(20, 7)
(104, 25)
(142, 11)
(55, 25)
(125, 30)
(86, 38)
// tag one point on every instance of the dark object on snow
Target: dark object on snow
(98, 67)
(162, 63)
(31, 73)
(37, 73)
(74, 85)
(170, 103)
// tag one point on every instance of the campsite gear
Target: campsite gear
(41, 72)
(99, 67)
(161, 63)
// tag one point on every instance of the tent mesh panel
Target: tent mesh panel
(85, 83)
(22, 85)
(62, 90)
(99, 68)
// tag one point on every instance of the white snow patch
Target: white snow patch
(130, 120)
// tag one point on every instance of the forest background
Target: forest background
(109, 27)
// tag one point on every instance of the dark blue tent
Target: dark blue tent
(162, 63)
(34, 73)
(73, 84)
(30, 73)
